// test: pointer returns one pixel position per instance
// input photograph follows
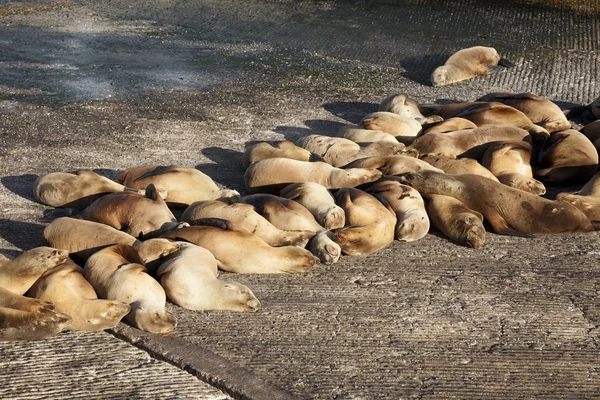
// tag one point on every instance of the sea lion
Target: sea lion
(278, 149)
(569, 157)
(393, 165)
(369, 224)
(366, 136)
(588, 113)
(244, 216)
(238, 250)
(117, 273)
(272, 175)
(456, 221)
(451, 125)
(20, 274)
(587, 199)
(319, 201)
(510, 162)
(412, 222)
(406, 107)
(324, 248)
(453, 165)
(466, 64)
(66, 288)
(154, 251)
(340, 151)
(189, 278)
(592, 132)
(138, 215)
(183, 185)
(470, 143)
(405, 130)
(83, 238)
(509, 211)
(539, 110)
(78, 190)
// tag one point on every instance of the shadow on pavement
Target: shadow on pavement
(314, 127)
(21, 185)
(24, 235)
(227, 170)
(351, 111)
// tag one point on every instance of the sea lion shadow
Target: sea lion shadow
(227, 169)
(21, 185)
(351, 111)
(24, 235)
(419, 69)
(314, 127)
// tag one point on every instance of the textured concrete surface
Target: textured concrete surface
(112, 84)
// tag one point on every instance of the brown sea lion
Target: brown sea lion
(587, 199)
(83, 238)
(369, 224)
(466, 64)
(278, 149)
(244, 216)
(20, 274)
(406, 107)
(393, 165)
(141, 216)
(365, 136)
(412, 222)
(509, 211)
(66, 288)
(154, 251)
(238, 250)
(451, 125)
(510, 162)
(78, 190)
(272, 175)
(471, 143)
(340, 151)
(569, 157)
(117, 273)
(456, 221)
(588, 113)
(405, 130)
(539, 110)
(183, 185)
(453, 165)
(319, 201)
(592, 132)
(189, 278)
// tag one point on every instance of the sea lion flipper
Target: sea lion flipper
(501, 227)
(505, 63)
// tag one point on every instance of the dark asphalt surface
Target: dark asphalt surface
(111, 84)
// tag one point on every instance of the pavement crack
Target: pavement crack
(591, 321)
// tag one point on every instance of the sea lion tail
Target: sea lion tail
(505, 63)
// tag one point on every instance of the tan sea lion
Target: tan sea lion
(340, 151)
(365, 136)
(453, 165)
(272, 175)
(83, 238)
(406, 107)
(471, 143)
(278, 149)
(569, 157)
(509, 211)
(393, 165)
(20, 274)
(539, 110)
(78, 190)
(369, 224)
(451, 125)
(592, 132)
(66, 288)
(183, 185)
(510, 162)
(244, 216)
(412, 222)
(466, 64)
(154, 251)
(587, 199)
(138, 215)
(238, 250)
(319, 201)
(189, 278)
(456, 221)
(117, 273)
(405, 130)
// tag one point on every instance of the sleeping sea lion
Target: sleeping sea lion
(405, 130)
(154, 251)
(453, 165)
(366, 136)
(278, 149)
(406, 107)
(592, 132)
(393, 165)
(319, 201)
(20, 274)
(456, 221)
(451, 125)
(587, 199)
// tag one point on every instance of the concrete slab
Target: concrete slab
(114, 84)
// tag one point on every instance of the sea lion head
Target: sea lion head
(471, 228)
(237, 297)
(151, 318)
(324, 248)
(439, 77)
(412, 227)
(45, 257)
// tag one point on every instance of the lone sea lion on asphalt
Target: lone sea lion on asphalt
(279, 149)
(66, 288)
(319, 201)
(466, 64)
(456, 221)
(451, 125)
(272, 175)
(510, 162)
(78, 190)
(405, 130)
(117, 273)
(189, 278)
(138, 215)
(20, 274)
(183, 185)
(366, 136)
(412, 222)
(454, 166)
(509, 211)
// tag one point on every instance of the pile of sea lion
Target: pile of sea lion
(401, 169)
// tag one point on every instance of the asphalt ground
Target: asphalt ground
(108, 85)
